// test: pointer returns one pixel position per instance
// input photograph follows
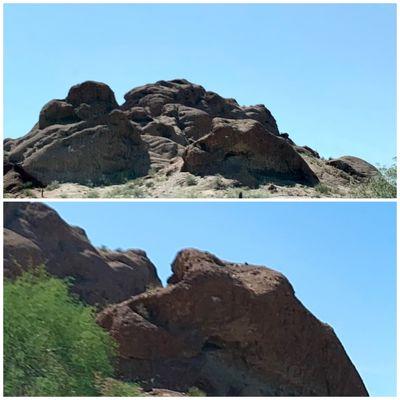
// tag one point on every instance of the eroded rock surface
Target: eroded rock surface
(83, 139)
(87, 138)
(35, 234)
(244, 150)
(228, 329)
(354, 166)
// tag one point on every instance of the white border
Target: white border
(198, 200)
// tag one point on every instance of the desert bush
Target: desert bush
(191, 180)
(323, 189)
(52, 344)
(53, 185)
(383, 185)
(93, 194)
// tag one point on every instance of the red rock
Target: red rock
(230, 330)
(35, 234)
(92, 93)
(358, 168)
(246, 151)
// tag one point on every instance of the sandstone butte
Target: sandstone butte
(164, 128)
(229, 329)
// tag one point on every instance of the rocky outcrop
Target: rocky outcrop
(244, 150)
(34, 234)
(16, 179)
(88, 138)
(354, 166)
(228, 329)
(225, 328)
(82, 139)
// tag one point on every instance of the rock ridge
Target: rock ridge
(87, 138)
(34, 235)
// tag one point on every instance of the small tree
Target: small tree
(52, 344)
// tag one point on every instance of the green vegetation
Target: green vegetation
(93, 194)
(191, 180)
(133, 189)
(52, 344)
(53, 185)
(27, 193)
(383, 185)
(323, 189)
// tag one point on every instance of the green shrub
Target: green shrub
(191, 180)
(93, 194)
(383, 185)
(52, 344)
(323, 189)
(53, 185)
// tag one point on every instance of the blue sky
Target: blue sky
(327, 72)
(340, 258)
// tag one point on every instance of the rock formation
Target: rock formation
(88, 138)
(83, 139)
(354, 166)
(237, 149)
(228, 329)
(34, 234)
(231, 330)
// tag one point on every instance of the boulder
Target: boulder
(354, 166)
(308, 151)
(163, 147)
(84, 153)
(57, 112)
(193, 122)
(82, 139)
(218, 106)
(17, 179)
(154, 96)
(164, 126)
(230, 330)
(261, 114)
(35, 234)
(139, 115)
(96, 94)
(246, 151)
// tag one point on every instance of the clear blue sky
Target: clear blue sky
(340, 258)
(327, 72)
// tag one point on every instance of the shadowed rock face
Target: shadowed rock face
(245, 151)
(34, 234)
(229, 329)
(354, 166)
(88, 138)
(82, 139)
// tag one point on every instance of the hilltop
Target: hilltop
(168, 139)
